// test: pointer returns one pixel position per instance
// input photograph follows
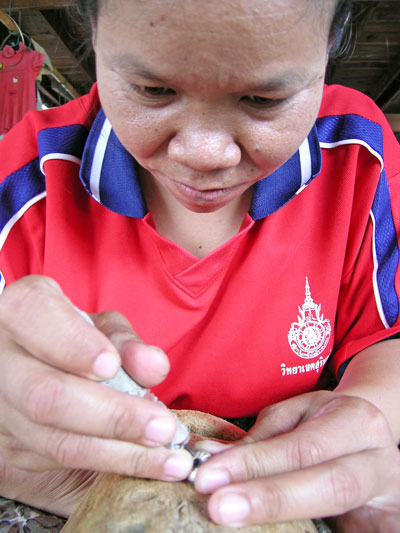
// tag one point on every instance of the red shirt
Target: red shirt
(310, 279)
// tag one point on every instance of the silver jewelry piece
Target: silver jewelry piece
(199, 457)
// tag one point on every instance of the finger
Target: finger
(213, 446)
(46, 396)
(323, 490)
(16, 455)
(36, 315)
(317, 440)
(148, 365)
(272, 421)
(281, 417)
(55, 449)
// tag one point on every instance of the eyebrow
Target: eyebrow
(284, 80)
(133, 66)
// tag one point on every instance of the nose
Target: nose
(204, 149)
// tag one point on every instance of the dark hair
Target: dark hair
(340, 33)
(340, 25)
(88, 10)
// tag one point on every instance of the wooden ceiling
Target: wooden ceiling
(371, 64)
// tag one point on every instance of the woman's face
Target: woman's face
(209, 97)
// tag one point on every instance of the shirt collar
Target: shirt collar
(110, 174)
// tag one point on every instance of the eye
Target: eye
(261, 101)
(158, 91)
(153, 92)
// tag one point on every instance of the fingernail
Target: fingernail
(211, 480)
(159, 430)
(211, 446)
(233, 509)
(178, 466)
(106, 365)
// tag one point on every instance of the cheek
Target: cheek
(136, 127)
(136, 130)
(278, 140)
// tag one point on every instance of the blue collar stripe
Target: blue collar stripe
(108, 171)
(385, 253)
(354, 129)
(92, 158)
(109, 174)
(125, 196)
(98, 158)
(63, 140)
(274, 191)
(17, 192)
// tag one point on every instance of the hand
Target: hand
(319, 454)
(52, 417)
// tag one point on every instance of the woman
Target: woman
(241, 217)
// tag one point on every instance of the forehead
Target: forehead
(190, 34)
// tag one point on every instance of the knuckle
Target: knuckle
(11, 450)
(271, 501)
(23, 295)
(144, 462)
(121, 421)
(67, 449)
(251, 465)
(137, 465)
(304, 452)
(113, 320)
(114, 325)
(273, 415)
(113, 316)
(41, 397)
(344, 488)
(376, 420)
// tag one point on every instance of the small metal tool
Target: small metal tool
(124, 383)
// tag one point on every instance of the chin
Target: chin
(202, 208)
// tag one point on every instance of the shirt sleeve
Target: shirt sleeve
(22, 201)
(368, 303)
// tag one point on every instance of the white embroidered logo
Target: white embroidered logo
(309, 336)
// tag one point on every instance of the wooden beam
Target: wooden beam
(35, 4)
(46, 93)
(62, 81)
(394, 120)
(61, 44)
(8, 21)
(387, 84)
(391, 102)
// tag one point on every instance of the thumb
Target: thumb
(279, 418)
(147, 365)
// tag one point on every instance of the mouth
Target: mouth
(200, 198)
(206, 196)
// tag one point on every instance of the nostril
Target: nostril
(232, 154)
(207, 153)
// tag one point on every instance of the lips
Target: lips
(205, 196)
(198, 199)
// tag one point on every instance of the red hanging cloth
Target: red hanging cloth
(18, 72)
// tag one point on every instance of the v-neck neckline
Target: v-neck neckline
(193, 274)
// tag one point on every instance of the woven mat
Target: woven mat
(18, 518)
